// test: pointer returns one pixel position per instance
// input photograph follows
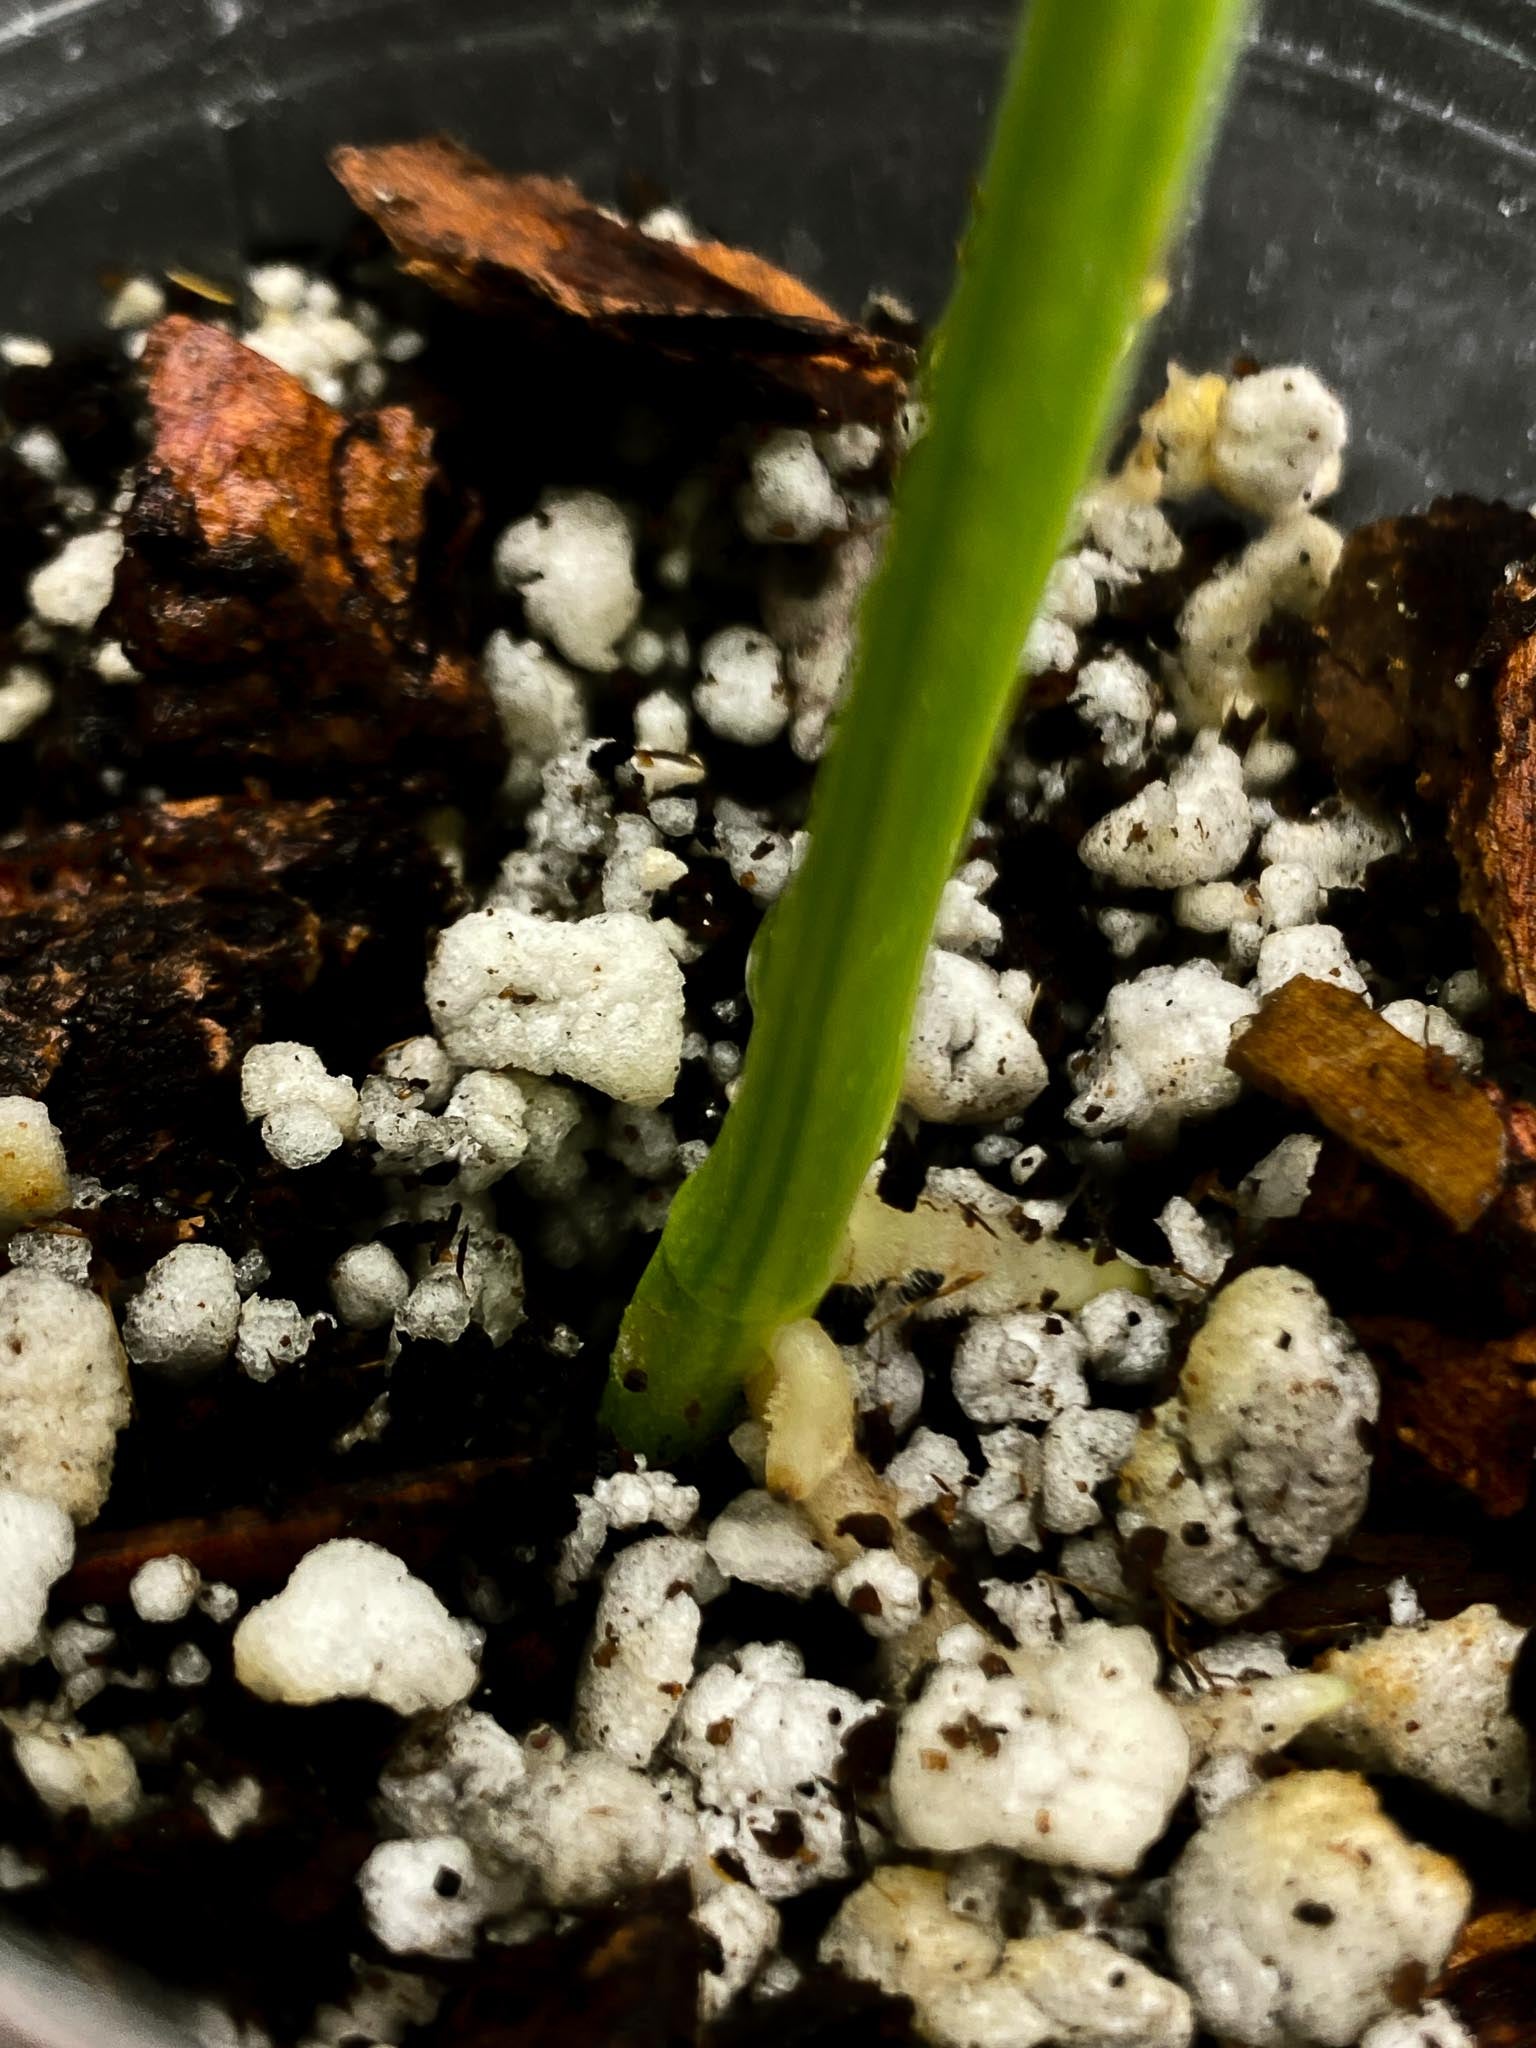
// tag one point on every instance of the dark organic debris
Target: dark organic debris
(532, 245)
(1490, 1978)
(141, 956)
(1424, 675)
(416, 1513)
(283, 585)
(1402, 620)
(1447, 1570)
(1467, 1406)
(620, 1979)
(1493, 819)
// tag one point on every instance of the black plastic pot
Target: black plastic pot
(1369, 210)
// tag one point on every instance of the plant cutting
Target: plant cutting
(1103, 119)
(414, 712)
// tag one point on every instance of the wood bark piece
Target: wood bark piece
(521, 246)
(1424, 672)
(1466, 1405)
(1406, 1107)
(283, 583)
(1493, 818)
(1490, 1978)
(410, 1512)
(1403, 618)
(143, 954)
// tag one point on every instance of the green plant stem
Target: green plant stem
(1107, 105)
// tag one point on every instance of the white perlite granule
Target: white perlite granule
(1279, 442)
(37, 1546)
(63, 1391)
(742, 695)
(305, 1112)
(640, 1657)
(423, 1898)
(1294, 1914)
(352, 1623)
(1026, 1366)
(762, 1741)
(1194, 827)
(972, 1989)
(67, 1769)
(1159, 1052)
(768, 1543)
(368, 1285)
(1432, 1702)
(1070, 1756)
(1258, 1464)
(789, 496)
(229, 1808)
(573, 562)
(184, 1319)
(75, 588)
(600, 1001)
(164, 1588)
(540, 705)
(971, 1057)
(272, 1334)
(34, 1174)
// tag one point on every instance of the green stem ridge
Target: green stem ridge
(1106, 109)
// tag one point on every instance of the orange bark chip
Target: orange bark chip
(1406, 1107)
(516, 246)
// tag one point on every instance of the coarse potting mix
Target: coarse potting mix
(414, 671)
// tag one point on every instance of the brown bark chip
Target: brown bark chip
(283, 585)
(516, 246)
(1424, 669)
(142, 955)
(1406, 1107)
(1467, 1406)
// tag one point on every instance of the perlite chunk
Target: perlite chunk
(1260, 1463)
(741, 694)
(352, 1623)
(1432, 1702)
(971, 1057)
(789, 495)
(305, 1112)
(1159, 1052)
(1194, 827)
(971, 1989)
(163, 1588)
(1286, 569)
(34, 1175)
(37, 1546)
(762, 1743)
(1021, 1367)
(75, 588)
(640, 1657)
(183, 1320)
(63, 1391)
(1278, 442)
(424, 1898)
(573, 560)
(69, 1769)
(368, 1285)
(1116, 696)
(1071, 1756)
(539, 704)
(1297, 1914)
(600, 1001)
(768, 1543)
